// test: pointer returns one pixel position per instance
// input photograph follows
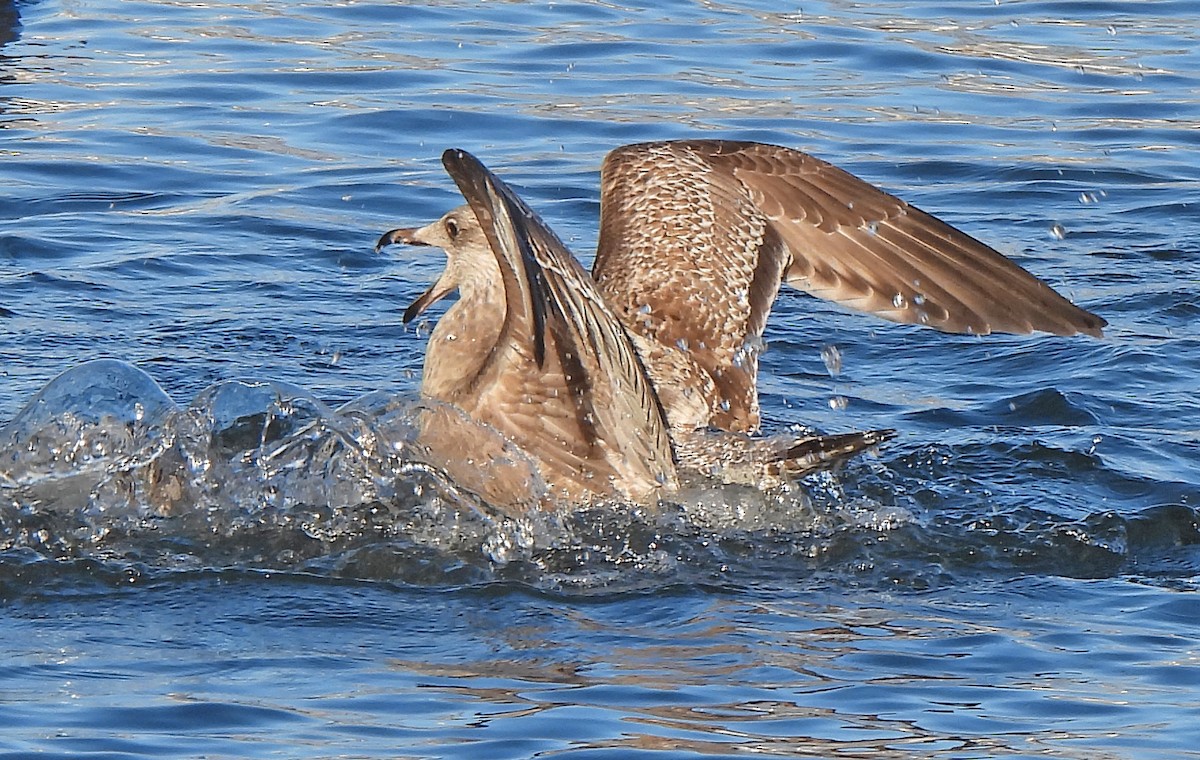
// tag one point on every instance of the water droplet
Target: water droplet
(919, 299)
(899, 301)
(1058, 231)
(833, 360)
(682, 344)
(838, 403)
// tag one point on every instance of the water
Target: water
(214, 540)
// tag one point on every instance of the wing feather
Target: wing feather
(560, 323)
(922, 258)
(690, 264)
(696, 235)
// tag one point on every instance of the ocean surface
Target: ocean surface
(213, 544)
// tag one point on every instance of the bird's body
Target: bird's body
(531, 350)
(613, 382)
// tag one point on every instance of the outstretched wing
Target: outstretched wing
(696, 235)
(854, 244)
(556, 315)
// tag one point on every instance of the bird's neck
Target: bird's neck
(464, 339)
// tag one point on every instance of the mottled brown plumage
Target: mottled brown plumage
(531, 349)
(697, 235)
(611, 381)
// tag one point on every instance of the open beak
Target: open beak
(404, 235)
(437, 291)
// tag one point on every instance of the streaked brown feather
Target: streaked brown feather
(604, 381)
(562, 379)
(694, 233)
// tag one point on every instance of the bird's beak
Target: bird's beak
(437, 291)
(404, 235)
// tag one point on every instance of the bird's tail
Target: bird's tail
(766, 462)
(818, 452)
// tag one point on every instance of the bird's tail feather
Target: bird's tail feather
(765, 462)
(817, 452)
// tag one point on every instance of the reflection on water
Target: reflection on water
(10, 29)
(826, 678)
(501, 674)
(10, 22)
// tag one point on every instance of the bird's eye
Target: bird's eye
(452, 228)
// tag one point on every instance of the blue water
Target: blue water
(212, 543)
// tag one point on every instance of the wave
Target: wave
(103, 476)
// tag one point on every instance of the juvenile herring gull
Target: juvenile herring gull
(614, 383)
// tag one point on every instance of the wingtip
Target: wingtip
(1081, 323)
(455, 159)
(1094, 325)
(495, 206)
(1073, 319)
(474, 180)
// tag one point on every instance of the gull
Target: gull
(617, 383)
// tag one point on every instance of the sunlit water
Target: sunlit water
(217, 538)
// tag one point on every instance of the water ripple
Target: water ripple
(252, 568)
(102, 466)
